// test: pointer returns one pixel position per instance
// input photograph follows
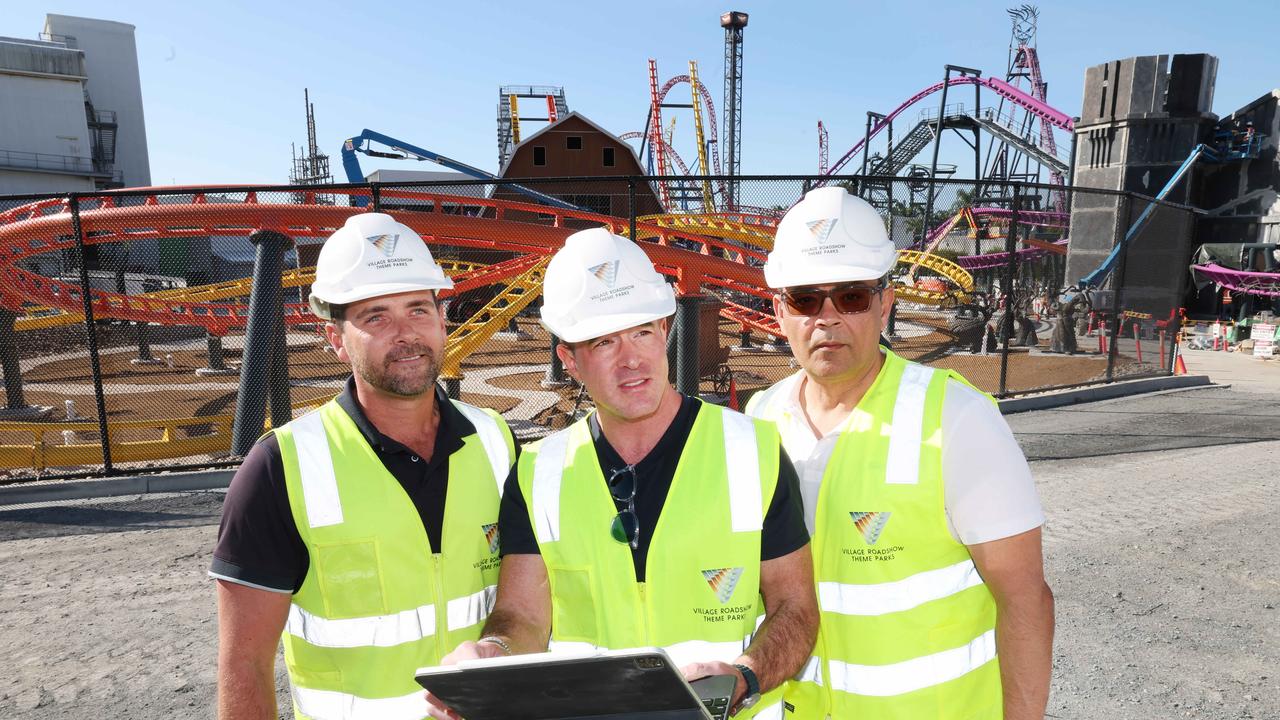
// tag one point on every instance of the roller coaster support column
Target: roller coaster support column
(216, 363)
(264, 346)
(937, 139)
(140, 329)
(1006, 290)
(14, 398)
(555, 371)
(687, 344)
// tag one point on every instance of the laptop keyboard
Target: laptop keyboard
(718, 707)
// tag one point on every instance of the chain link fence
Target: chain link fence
(143, 331)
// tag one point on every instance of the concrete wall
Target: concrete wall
(111, 60)
(1139, 121)
(34, 183)
(1243, 197)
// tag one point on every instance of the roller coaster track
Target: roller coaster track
(1045, 112)
(1242, 281)
(40, 317)
(504, 307)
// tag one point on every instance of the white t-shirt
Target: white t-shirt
(987, 485)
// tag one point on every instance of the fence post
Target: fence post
(1006, 290)
(687, 344)
(375, 192)
(15, 399)
(631, 207)
(1117, 288)
(265, 321)
(86, 294)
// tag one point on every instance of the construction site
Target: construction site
(1041, 250)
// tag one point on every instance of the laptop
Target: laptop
(640, 683)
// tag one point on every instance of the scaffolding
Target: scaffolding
(509, 116)
(312, 168)
(733, 23)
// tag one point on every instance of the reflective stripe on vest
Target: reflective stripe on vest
(812, 671)
(916, 673)
(378, 631)
(903, 464)
(746, 503)
(495, 445)
(471, 609)
(333, 705)
(681, 653)
(315, 468)
(548, 473)
(891, 597)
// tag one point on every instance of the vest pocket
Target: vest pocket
(350, 579)
(573, 607)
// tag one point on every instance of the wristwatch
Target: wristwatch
(752, 695)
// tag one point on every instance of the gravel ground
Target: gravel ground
(1160, 546)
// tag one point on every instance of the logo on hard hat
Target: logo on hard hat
(722, 582)
(386, 244)
(606, 272)
(870, 524)
(821, 229)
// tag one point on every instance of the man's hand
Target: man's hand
(469, 650)
(699, 670)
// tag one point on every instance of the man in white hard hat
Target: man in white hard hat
(925, 519)
(658, 520)
(363, 534)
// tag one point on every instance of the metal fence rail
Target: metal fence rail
(160, 329)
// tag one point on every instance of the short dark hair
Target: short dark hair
(338, 313)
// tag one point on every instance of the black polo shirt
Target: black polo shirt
(258, 541)
(784, 529)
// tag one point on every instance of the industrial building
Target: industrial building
(71, 116)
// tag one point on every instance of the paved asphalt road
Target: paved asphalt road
(1160, 545)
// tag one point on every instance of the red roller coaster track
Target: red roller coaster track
(46, 226)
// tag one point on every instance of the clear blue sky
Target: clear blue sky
(222, 82)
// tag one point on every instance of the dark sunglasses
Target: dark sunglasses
(626, 524)
(847, 299)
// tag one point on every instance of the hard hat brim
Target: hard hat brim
(364, 292)
(823, 275)
(604, 325)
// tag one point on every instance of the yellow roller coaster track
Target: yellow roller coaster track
(944, 267)
(36, 320)
(708, 205)
(476, 331)
(173, 442)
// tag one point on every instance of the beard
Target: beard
(402, 381)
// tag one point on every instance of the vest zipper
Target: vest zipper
(644, 612)
(442, 606)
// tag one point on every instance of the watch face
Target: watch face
(748, 701)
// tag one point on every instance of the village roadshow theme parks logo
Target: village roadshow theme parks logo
(821, 230)
(491, 534)
(723, 581)
(870, 525)
(491, 537)
(384, 243)
(607, 274)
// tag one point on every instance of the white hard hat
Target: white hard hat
(829, 236)
(369, 256)
(600, 283)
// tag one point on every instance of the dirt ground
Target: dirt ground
(1160, 546)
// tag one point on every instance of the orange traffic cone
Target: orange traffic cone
(1179, 367)
(733, 395)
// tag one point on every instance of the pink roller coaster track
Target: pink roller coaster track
(1047, 113)
(1244, 281)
